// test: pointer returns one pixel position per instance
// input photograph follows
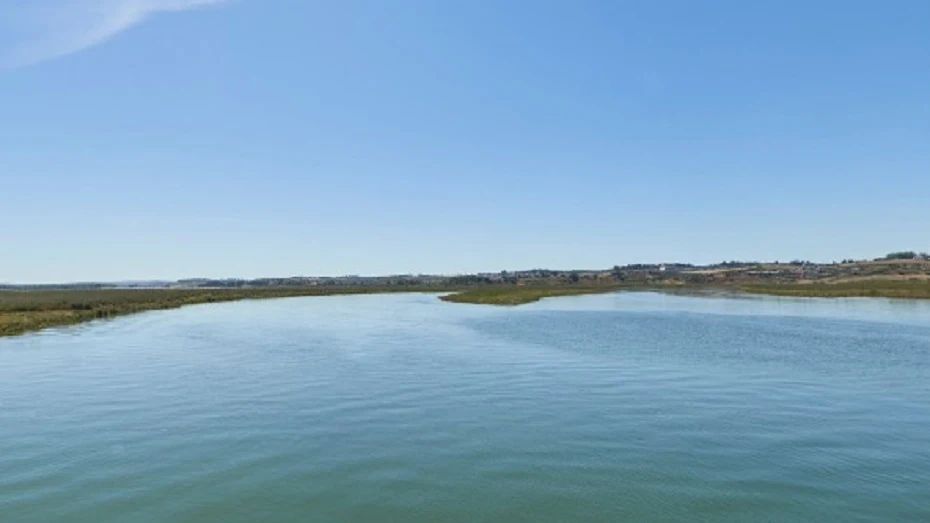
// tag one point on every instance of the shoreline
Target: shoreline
(26, 311)
(904, 289)
(519, 295)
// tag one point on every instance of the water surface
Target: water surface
(623, 407)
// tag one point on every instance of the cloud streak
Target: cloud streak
(32, 33)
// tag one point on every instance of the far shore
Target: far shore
(518, 295)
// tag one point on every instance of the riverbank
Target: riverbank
(873, 288)
(868, 288)
(32, 310)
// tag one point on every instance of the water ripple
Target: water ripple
(636, 407)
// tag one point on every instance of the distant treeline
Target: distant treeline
(634, 272)
(908, 255)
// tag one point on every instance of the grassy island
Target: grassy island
(520, 294)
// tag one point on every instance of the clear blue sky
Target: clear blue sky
(180, 138)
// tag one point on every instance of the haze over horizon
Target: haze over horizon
(168, 139)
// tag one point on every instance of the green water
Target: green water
(627, 407)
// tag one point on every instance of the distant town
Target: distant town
(903, 265)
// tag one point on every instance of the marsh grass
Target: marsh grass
(520, 294)
(917, 288)
(25, 311)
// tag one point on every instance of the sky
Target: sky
(164, 139)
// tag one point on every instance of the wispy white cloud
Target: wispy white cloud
(40, 30)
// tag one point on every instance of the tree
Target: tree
(902, 255)
(618, 273)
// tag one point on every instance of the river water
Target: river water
(637, 407)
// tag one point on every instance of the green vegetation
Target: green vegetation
(520, 294)
(24, 311)
(864, 288)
